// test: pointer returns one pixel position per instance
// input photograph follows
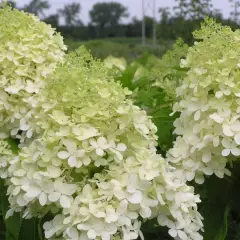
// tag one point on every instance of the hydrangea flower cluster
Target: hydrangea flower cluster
(209, 125)
(120, 63)
(93, 165)
(29, 53)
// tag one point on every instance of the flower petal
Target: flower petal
(135, 198)
(63, 154)
(72, 161)
(65, 201)
(43, 199)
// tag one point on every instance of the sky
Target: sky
(134, 6)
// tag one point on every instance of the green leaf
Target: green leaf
(29, 230)
(143, 59)
(224, 227)
(164, 123)
(216, 196)
(216, 221)
(127, 77)
(152, 231)
(14, 144)
(140, 82)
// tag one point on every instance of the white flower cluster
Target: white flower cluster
(93, 165)
(29, 53)
(209, 124)
(96, 163)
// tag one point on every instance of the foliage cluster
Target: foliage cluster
(129, 48)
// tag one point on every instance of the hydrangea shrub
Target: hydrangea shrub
(96, 164)
(90, 160)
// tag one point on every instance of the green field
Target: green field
(129, 48)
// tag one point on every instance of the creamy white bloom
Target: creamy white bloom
(209, 125)
(96, 163)
(29, 52)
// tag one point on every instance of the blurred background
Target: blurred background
(127, 28)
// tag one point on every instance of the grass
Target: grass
(129, 48)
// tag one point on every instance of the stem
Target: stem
(40, 229)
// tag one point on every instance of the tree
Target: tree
(70, 12)
(235, 10)
(163, 26)
(53, 20)
(193, 9)
(37, 7)
(107, 14)
(181, 9)
(200, 8)
(164, 13)
(136, 26)
(12, 4)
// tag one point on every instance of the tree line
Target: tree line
(106, 17)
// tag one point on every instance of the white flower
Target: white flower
(100, 145)
(75, 156)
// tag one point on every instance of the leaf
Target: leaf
(127, 77)
(216, 221)
(29, 230)
(140, 82)
(152, 231)
(224, 227)
(151, 97)
(14, 144)
(217, 196)
(143, 59)
(164, 123)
